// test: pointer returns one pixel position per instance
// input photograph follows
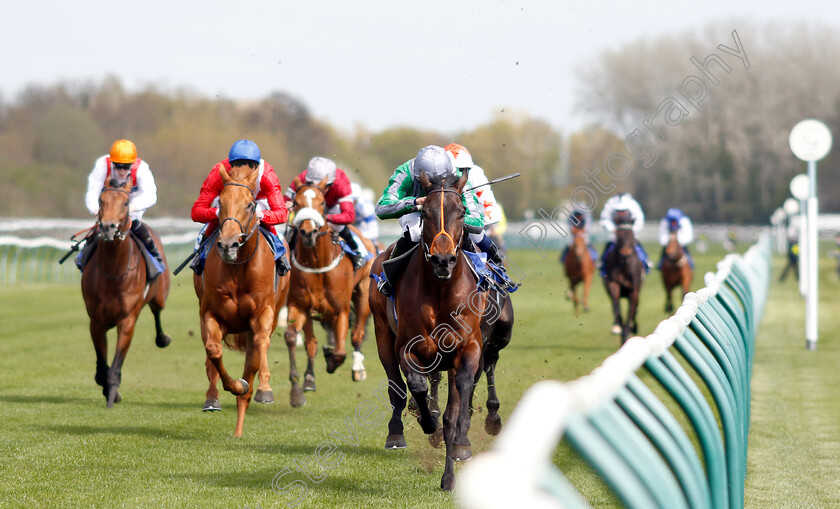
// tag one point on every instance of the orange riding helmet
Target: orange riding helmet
(123, 151)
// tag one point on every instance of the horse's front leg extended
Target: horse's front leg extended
(419, 388)
(340, 326)
(98, 334)
(310, 343)
(125, 331)
(211, 334)
(211, 401)
(263, 326)
(296, 319)
(616, 305)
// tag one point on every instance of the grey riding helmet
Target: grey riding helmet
(318, 168)
(434, 160)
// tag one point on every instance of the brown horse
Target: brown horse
(579, 269)
(435, 327)
(323, 285)
(676, 270)
(239, 294)
(115, 289)
(625, 275)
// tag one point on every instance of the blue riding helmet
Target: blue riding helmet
(577, 219)
(244, 150)
(673, 214)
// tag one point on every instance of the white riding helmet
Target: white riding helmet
(355, 191)
(434, 161)
(462, 156)
(318, 168)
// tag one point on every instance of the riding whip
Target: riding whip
(500, 179)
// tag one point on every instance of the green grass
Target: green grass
(60, 446)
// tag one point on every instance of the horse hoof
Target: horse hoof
(264, 396)
(394, 442)
(447, 482)
(461, 453)
(163, 341)
(296, 397)
(436, 438)
(113, 393)
(309, 382)
(359, 375)
(616, 329)
(245, 388)
(429, 425)
(493, 424)
(212, 405)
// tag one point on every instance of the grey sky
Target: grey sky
(443, 65)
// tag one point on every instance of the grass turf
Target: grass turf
(62, 448)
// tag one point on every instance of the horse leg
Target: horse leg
(362, 307)
(295, 320)
(125, 331)
(310, 342)
(156, 305)
(631, 327)
(614, 290)
(211, 403)
(450, 423)
(252, 365)
(340, 326)
(436, 438)
(573, 295)
(587, 283)
(211, 334)
(396, 387)
(262, 341)
(669, 306)
(100, 343)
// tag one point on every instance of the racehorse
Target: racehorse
(240, 295)
(115, 289)
(324, 284)
(579, 269)
(624, 276)
(676, 270)
(437, 323)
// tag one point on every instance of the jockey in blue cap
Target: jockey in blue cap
(676, 222)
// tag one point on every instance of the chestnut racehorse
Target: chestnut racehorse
(624, 276)
(323, 285)
(239, 294)
(676, 270)
(579, 269)
(435, 329)
(115, 289)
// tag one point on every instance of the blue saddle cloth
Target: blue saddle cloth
(153, 266)
(366, 255)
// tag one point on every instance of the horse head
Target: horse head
(673, 250)
(310, 208)
(237, 210)
(443, 215)
(113, 211)
(625, 239)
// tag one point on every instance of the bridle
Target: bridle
(427, 250)
(121, 234)
(310, 214)
(243, 236)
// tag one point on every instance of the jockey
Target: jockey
(579, 222)
(338, 206)
(119, 165)
(676, 221)
(366, 220)
(623, 202)
(403, 197)
(486, 200)
(271, 210)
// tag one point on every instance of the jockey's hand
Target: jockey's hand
(418, 202)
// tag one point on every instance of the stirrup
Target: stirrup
(358, 261)
(385, 288)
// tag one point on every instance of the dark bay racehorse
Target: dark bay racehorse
(676, 270)
(115, 289)
(625, 275)
(323, 284)
(579, 269)
(240, 295)
(435, 328)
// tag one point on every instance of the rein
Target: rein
(427, 251)
(310, 214)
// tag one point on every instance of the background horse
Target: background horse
(436, 327)
(676, 271)
(115, 289)
(624, 276)
(239, 294)
(579, 269)
(324, 284)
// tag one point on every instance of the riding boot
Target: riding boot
(291, 237)
(661, 258)
(87, 251)
(403, 245)
(282, 265)
(357, 257)
(141, 231)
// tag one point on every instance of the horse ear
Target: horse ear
(462, 182)
(296, 183)
(252, 178)
(424, 180)
(127, 185)
(323, 183)
(224, 174)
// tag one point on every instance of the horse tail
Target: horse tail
(236, 341)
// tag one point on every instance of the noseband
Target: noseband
(427, 250)
(313, 216)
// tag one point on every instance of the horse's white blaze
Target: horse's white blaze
(309, 194)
